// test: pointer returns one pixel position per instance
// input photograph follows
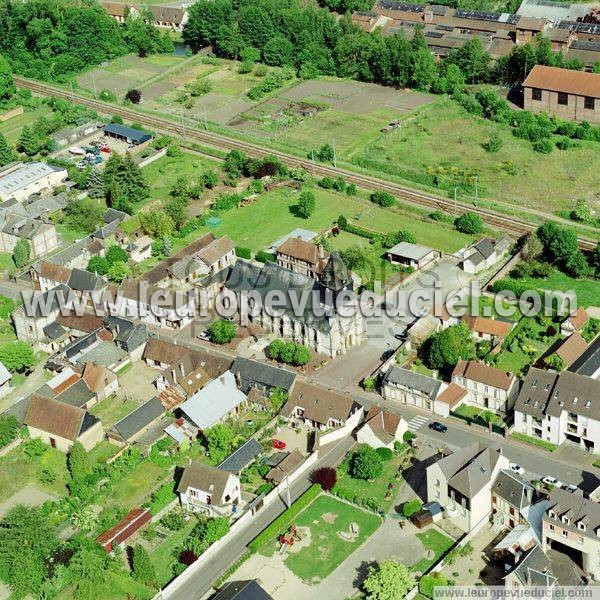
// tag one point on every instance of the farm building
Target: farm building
(127, 134)
(411, 255)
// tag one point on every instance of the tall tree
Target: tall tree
(7, 153)
(388, 580)
(78, 462)
(7, 85)
(21, 252)
(142, 568)
(472, 59)
(87, 573)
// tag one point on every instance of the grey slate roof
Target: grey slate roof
(467, 470)
(77, 394)
(589, 362)
(550, 393)
(415, 381)
(139, 419)
(577, 508)
(242, 457)
(84, 281)
(53, 331)
(336, 276)
(49, 301)
(512, 488)
(251, 373)
(205, 478)
(533, 569)
(242, 590)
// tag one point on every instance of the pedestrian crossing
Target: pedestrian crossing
(417, 422)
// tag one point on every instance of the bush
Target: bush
(326, 477)
(243, 252)
(327, 183)
(543, 146)
(9, 429)
(222, 331)
(366, 463)
(173, 520)
(134, 96)
(351, 189)
(429, 582)
(383, 199)
(469, 223)
(263, 257)
(385, 453)
(285, 518)
(411, 507)
(493, 144)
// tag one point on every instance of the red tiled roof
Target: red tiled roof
(564, 80)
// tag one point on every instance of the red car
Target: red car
(105, 148)
(278, 444)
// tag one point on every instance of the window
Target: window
(551, 527)
(536, 94)
(563, 98)
(564, 533)
(589, 103)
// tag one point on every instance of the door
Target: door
(52, 442)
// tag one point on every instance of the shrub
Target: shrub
(351, 189)
(429, 582)
(411, 507)
(243, 252)
(383, 199)
(263, 256)
(385, 453)
(9, 429)
(469, 222)
(222, 331)
(327, 183)
(366, 463)
(173, 520)
(493, 144)
(543, 146)
(326, 477)
(369, 383)
(134, 96)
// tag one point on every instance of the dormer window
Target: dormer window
(566, 520)
(552, 514)
(581, 526)
(556, 393)
(535, 382)
(575, 400)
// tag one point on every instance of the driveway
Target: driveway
(137, 382)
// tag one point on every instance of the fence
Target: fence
(504, 270)
(11, 446)
(151, 159)
(206, 556)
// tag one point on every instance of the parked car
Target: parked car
(203, 335)
(278, 444)
(515, 468)
(552, 481)
(105, 148)
(437, 426)
(571, 488)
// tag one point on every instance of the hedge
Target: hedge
(243, 252)
(522, 437)
(285, 518)
(356, 230)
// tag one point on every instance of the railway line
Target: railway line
(492, 219)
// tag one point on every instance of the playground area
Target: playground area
(323, 536)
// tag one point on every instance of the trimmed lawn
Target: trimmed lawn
(476, 414)
(68, 235)
(587, 290)
(18, 470)
(162, 556)
(432, 539)
(362, 489)
(13, 127)
(113, 409)
(325, 518)
(7, 264)
(102, 452)
(446, 135)
(534, 441)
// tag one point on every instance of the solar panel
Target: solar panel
(401, 6)
(477, 15)
(434, 34)
(438, 10)
(444, 27)
(585, 45)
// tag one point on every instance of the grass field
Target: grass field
(361, 489)
(113, 409)
(447, 135)
(162, 556)
(586, 290)
(432, 539)
(18, 470)
(12, 128)
(325, 517)
(534, 441)
(476, 414)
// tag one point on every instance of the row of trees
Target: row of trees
(50, 40)
(315, 42)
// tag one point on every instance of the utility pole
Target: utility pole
(455, 188)
(476, 198)
(94, 84)
(205, 121)
(287, 489)
(72, 93)
(334, 155)
(182, 124)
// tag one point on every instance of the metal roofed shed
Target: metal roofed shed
(128, 134)
(411, 255)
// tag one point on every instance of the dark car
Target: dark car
(437, 426)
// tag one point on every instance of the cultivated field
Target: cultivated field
(12, 128)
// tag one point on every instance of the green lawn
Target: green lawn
(113, 409)
(432, 539)
(102, 452)
(325, 517)
(586, 290)
(476, 414)
(18, 470)
(69, 235)
(446, 135)
(514, 358)
(12, 128)
(162, 556)
(120, 586)
(7, 264)
(361, 489)
(534, 441)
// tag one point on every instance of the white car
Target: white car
(515, 468)
(571, 488)
(552, 481)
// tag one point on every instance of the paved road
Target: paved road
(13, 290)
(202, 582)
(536, 462)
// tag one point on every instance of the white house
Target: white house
(560, 408)
(461, 483)
(381, 429)
(483, 254)
(574, 322)
(486, 387)
(409, 387)
(5, 377)
(209, 490)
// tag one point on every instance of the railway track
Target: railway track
(493, 219)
